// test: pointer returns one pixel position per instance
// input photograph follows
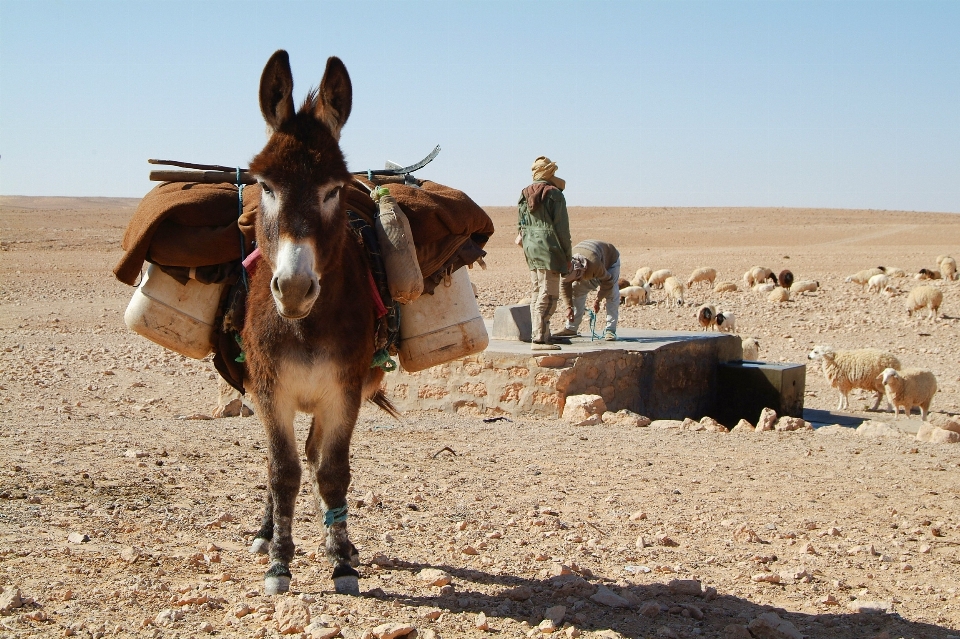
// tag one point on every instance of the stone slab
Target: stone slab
(660, 374)
(512, 322)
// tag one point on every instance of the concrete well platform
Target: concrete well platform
(660, 374)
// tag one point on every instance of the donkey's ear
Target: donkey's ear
(276, 90)
(336, 96)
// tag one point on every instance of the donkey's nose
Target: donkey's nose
(294, 289)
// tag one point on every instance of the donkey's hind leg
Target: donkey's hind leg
(328, 459)
(283, 485)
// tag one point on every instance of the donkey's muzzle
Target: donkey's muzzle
(295, 284)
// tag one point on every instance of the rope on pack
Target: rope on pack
(335, 516)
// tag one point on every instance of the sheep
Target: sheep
(908, 388)
(634, 295)
(863, 277)
(643, 275)
(948, 268)
(878, 283)
(623, 283)
(707, 316)
(940, 258)
(725, 287)
(673, 290)
(805, 286)
(860, 368)
(703, 274)
(927, 274)
(764, 287)
(893, 271)
(726, 322)
(657, 278)
(928, 297)
(779, 295)
(785, 279)
(751, 349)
(758, 274)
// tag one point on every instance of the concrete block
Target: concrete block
(744, 389)
(512, 322)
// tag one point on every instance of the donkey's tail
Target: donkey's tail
(380, 399)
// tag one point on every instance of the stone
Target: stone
(766, 577)
(291, 615)
(665, 540)
(649, 609)
(745, 534)
(547, 627)
(712, 425)
(736, 631)
(868, 607)
(666, 424)
(520, 593)
(607, 597)
(946, 422)
(555, 614)
(480, 622)
(167, 617)
(638, 515)
(770, 626)
(434, 577)
(791, 424)
(431, 614)
(427, 633)
(743, 426)
(667, 633)
(469, 550)
(768, 417)
(205, 626)
(317, 630)
(691, 587)
(691, 425)
(10, 599)
(943, 436)
(77, 538)
(392, 630)
(135, 454)
(873, 428)
(572, 632)
(130, 554)
(579, 408)
(627, 418)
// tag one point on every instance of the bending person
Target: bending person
(595, 265)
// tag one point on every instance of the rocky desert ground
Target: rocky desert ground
(125, 511)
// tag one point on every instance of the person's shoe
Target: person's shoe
(567, 332)
(540, 346)
(609, 336)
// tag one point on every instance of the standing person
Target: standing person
(544, 234)
(595, 265)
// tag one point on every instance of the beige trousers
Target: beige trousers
(544, 296)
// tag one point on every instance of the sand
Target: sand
(95, 443)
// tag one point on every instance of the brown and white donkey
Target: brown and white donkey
(310, 320)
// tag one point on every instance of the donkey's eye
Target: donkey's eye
(266, 189)
(332, 194)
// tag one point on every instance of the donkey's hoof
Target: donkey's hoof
(260, 546)
(346, 580)
(277, 580)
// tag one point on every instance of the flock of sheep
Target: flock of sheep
(867, 368)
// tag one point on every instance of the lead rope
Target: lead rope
(243, 256)
(593, 324)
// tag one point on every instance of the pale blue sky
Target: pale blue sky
(821, 104)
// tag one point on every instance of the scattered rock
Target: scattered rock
(667, 633)
(792, 423)
(768, 417)
(469, 550)
(624, 417)
(555, 614)
(135, 454)
(434, 577)
(393, 630)
(520, 593)
(873, 428)
(691, 587)
(130, 554)
(712, 425)
(736, 631)
(480, 623)
(649, 609)
(665, 424)
(943, 436)
(579, 408)
(10, 599)
(319, 630)
(607, 597)
(167, 617)
(77, 538)
(205, 626)
(766, 577)
(946, 422)
(291, 615)
(547, 627)
(691, 425)
(770, 626)
(638, 515)
(743, 426)
(869, 607)
(745, 534)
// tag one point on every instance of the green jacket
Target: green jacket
(545, 227)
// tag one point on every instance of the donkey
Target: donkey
(310, 318)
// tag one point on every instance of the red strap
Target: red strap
(375, 294)
(251, 262)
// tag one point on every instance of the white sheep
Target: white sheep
(863, 277)
(948, 268)
(764, 287)
(725, 287)
(779, 295)
(751, 349)
(643, 275)
(929, 297)
(878, 283)
(726, 322)
(757, 274)
(893, 271)
(707, 316)
(860, 368)
(657, 278)
(673, 290)
(908, 388)
(927, 274)
(635, 295)
(703, 274)
(805, 286)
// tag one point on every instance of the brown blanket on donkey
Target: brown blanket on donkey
(190, 224)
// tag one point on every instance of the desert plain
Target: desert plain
(125, 511)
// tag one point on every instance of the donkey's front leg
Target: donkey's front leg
(283, 485)
(261, 543)
(328, 457)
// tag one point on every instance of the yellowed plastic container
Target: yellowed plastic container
(179, 317)
(439, 328)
